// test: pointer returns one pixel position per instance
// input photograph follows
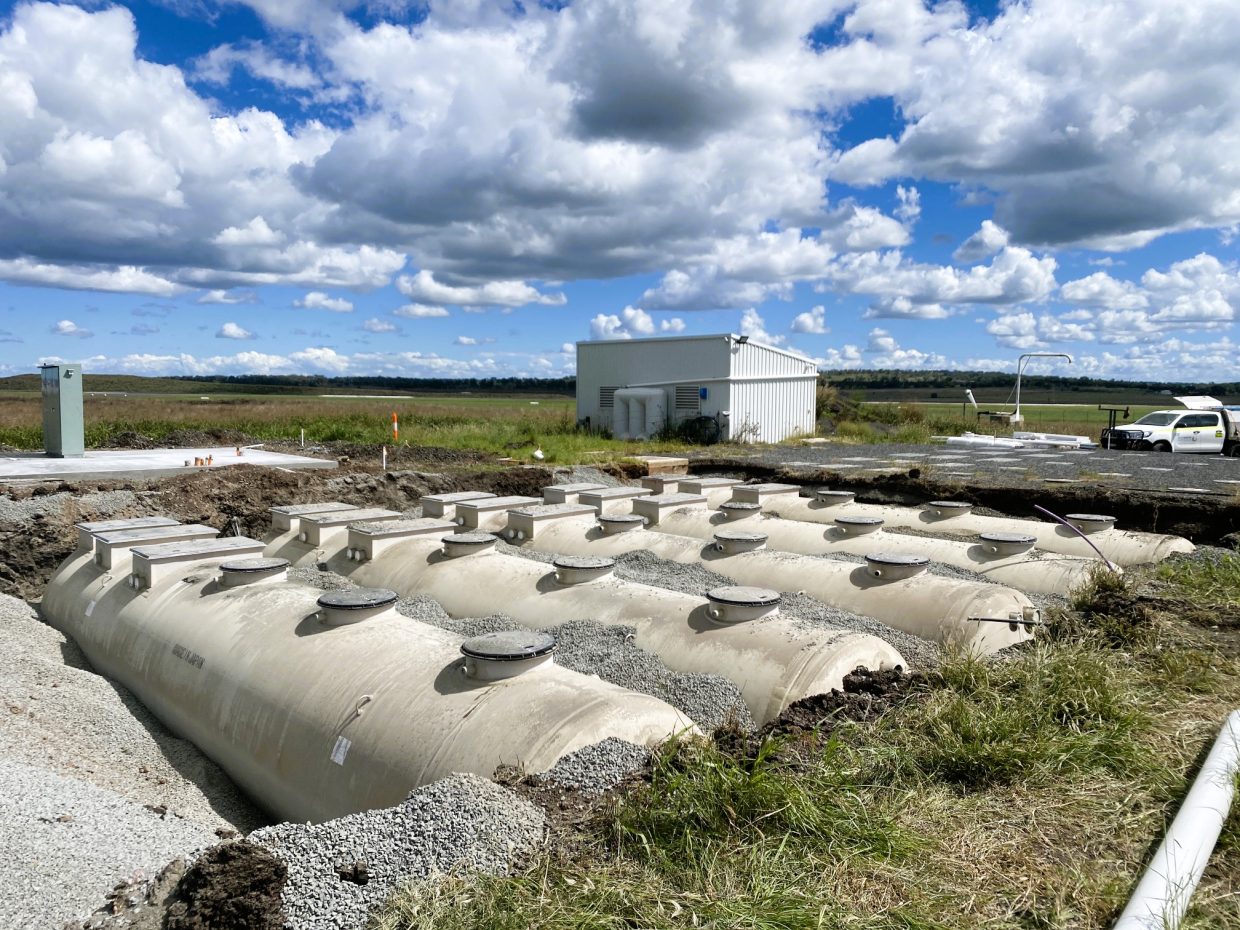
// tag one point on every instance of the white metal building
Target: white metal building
(634, 387)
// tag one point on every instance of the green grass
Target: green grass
(503, 426)
(1022, 792)
(1206, 583)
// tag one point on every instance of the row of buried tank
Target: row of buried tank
(323, 703)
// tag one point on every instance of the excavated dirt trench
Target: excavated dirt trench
(235, 499)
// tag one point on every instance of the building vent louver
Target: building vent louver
(688, 397)
(607, 397)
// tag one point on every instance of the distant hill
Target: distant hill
(990, 387)
(303, 384)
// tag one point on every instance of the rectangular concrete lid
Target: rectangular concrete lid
(576, 486)
(498, 503)
(198, 548)
(554, 510)
(709, 482)
(612, 493)
(115, 537)
(772, 488)
(672, 500)
(403, 527)
(301, 510)
(132, 523)
(456, 497)
(344, 517)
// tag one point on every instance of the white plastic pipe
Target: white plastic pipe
(1162, 896)
(1123, 547)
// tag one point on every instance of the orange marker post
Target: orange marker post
(395, 428)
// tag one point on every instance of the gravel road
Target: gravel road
(1146, 471)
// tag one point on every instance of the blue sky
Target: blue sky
(469, 187)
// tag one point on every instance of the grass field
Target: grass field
(1047, 418)
(506, 425)
(513, 425)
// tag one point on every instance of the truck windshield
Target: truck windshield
(1157, 419)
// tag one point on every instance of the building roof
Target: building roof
(701, 338)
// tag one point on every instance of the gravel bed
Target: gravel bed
(100, 504)
(585, 473)
(67, 843)
(61, 716)
(593, 649)
(600, 767)
(647, 568)
(460, 822)
(644, 567)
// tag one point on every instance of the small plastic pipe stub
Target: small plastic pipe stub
(827, 496)
(743, 596)
(253, 566)
(358, 599)
(509, 646)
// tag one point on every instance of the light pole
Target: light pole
(1020, 367)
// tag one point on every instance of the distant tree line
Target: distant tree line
(383, 383)
(878, 379)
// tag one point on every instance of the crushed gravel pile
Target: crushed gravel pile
(584, 473)
(66, 843)
(593, 649)
(600, 767)
(340, 870)
(58, 714)
(98, 505)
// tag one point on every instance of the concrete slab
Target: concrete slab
(145, 463)
(664, 464)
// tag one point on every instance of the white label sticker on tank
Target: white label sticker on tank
(341, 749)
(90, 608)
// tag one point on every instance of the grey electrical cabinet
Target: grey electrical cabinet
(63, 424)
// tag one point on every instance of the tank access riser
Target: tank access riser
(933, 607)
(1009, 561)
(321, 709)
(773, 660)
(1125, 548)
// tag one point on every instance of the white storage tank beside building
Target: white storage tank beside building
(758, 393)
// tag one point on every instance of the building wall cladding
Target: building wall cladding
(768, 392)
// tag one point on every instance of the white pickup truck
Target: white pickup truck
(1207, 426)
